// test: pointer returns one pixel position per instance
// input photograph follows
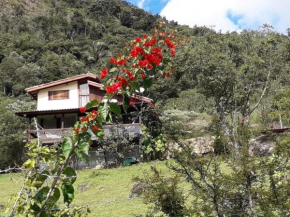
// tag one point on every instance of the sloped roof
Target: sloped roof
(33, 90)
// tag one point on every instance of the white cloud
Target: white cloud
(141, 3)
(247, 14)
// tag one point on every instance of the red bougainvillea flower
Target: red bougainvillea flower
(144, 36)
(172, 50)
(138, 40)
(77, 130)
(114, 87)
(104, 73)
(150, 43)
(154, 35)
(153, 59)
(169, 43)
(95, 128)
(156, 51)
(136, 51)
(119, 55)
(113, 60)
(121, 62)
(132, 103)
(83, 129)
(149, 66)
(143, 63)
(131, 76)
(94, 112)
(82, 109)
(123, 81)
(143, 75)
(83, 119)
(152, 106)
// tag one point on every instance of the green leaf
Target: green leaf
(115, 108)
(126, 102)
(92, 104)
(67, 146)
(103, 111)
(135, 85)
(68, 193)
(148, 82)
(83, 156)
(41, 178)
(29, 164)
(41, 195)
(70, 174)
(54, 196)
(113, 69)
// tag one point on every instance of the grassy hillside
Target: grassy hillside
(96, 188)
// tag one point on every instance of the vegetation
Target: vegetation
(227, 78)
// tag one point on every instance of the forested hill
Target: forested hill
(42, 41)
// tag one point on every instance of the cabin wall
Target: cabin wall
(43, 102)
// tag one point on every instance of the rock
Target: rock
(101, 188)
(84, 187)
(99, 167)
(261, 146)
(199, 145)
(137, 189)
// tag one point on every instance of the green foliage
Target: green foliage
(163, 192)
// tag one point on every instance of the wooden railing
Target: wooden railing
(55, 135)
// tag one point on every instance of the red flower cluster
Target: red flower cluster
(95, 128)
(151, 58)
(114, 87)
(77, 130)
(113, 60)
(121, 62)
(82, 109)
(150, 43)
(94, 112)
(123, 81)
(83, 119)
(169, 43)
(138, 40)
(166, 74)
(137, 51)
(143, 63)
(104, 73)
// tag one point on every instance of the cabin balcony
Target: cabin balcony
(48, 136)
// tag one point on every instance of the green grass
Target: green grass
(104, 185)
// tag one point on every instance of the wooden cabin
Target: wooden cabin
(58, 104)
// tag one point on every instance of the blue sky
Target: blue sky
(153, 6)
(224, 15)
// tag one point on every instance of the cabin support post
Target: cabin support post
(29, 128)
(62, 121)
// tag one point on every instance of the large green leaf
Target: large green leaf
(148, 83)
(41, 178)
(115, 108)
(41, 194)
(126, 102)
(54, 196)
(71, 174)
(103, 111)
(67, 146)
(68, 193)
(135, 85)
(92, 104)
(83, 156)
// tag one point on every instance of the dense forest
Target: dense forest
(232, 76)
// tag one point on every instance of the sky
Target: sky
(224, 15)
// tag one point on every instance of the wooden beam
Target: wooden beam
(62, 121)
(29, 128)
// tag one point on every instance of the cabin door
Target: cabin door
(84, 94)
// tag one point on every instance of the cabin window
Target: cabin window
(84, 94)
(58, 94)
